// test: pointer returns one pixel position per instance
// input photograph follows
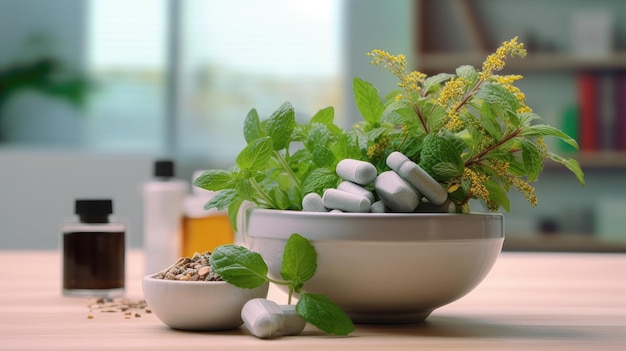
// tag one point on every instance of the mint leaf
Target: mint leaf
(215, 179)
(319, 180)
(489, 121)
(497, 194)
(533, 161)
(546, 130)
(367, 101)
(324, 116)
(252, 128)
(233, 212)
(299, 261)
(324, 314)
(571, 164)
(438, 150)
(222, 199)
(280, 125)
(255, 155)
(239, 266)
(433, 83)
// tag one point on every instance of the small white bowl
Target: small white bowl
(384, 267)
(214, 305)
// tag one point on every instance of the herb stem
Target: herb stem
(482, 154)
(262, 193)
(288, 169)
(421, 117)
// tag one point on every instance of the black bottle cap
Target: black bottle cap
(164, 168)
(94, 211)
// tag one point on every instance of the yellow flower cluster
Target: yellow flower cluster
(378, 149)
(409, 82)
(507, 83)
(454, 123)
(477, 186)
(500, 167)
(453, 91)
(525, 189)
(412, 81)
(495, 61)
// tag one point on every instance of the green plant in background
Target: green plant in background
(246, 269)
(44, 73)
(472, 131)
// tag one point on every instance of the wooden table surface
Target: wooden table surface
(529, 301)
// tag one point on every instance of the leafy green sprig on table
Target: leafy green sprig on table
(471, 131)
(246, 269)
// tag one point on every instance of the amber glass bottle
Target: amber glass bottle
(94, 251)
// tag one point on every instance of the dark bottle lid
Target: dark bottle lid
(164, 168)
(94, 211)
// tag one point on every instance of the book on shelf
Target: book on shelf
(601, 112)
(588, 110)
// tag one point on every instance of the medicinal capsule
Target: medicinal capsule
(379, 207)
(293, 323)
(417, 177)
(312, 202)
(396, 193)
(263, 318)
(447, 207)
(356, 171)
(345, 201)
(356, 189)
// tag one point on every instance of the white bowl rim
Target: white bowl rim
(437, 226)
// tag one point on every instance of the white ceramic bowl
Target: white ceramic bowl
(198, 305)
(384, 267)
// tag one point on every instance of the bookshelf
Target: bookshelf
(451, 33)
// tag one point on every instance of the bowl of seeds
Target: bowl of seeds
(188, 295)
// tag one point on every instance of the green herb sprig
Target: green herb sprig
(471, 130)
(246, 269)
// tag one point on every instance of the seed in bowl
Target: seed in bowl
(196, 268)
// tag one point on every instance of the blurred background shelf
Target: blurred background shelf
(562, 242)
(435, 62)
(594, 161)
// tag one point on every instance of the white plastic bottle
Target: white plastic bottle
(163, 199)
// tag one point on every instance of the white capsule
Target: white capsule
(313, 202)
(428, 207)
(263, 318)
(356, 171)
(396, 159)
(396, 193)
(379, 207)
(417, 177)
(345, 201)
(356, 189)
(293, 323)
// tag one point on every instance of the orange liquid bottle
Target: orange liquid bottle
(204, 230)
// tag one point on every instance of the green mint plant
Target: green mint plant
(246, 269)
(472, 131)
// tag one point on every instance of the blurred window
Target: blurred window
(231, 56)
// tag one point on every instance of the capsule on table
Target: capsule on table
(263, 318)
(293, 323)
(356, 171)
